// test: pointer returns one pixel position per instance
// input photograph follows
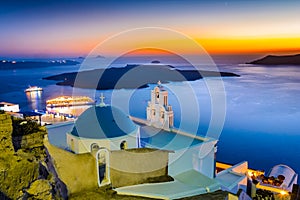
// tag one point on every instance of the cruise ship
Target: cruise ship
(65, 101)
(33, 89)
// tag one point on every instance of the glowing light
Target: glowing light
(283, 192)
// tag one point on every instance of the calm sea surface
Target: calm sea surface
(262, 108)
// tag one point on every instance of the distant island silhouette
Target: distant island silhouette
(155, 62)
(278, 60)
(4, 64)
(99, 56)
(131, 76)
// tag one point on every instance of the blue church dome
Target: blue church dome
(102, 122)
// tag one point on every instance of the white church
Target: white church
(191, 160)
(105, 127)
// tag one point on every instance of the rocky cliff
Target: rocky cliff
(23, 173)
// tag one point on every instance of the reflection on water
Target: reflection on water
(34, 98)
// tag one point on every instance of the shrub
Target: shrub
(25, 127)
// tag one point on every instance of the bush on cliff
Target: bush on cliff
(25, 127)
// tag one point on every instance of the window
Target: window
(171, 121)
(165, 100)
(123, 145)
(94, 147)
(153, 112)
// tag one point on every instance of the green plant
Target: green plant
(25, 127)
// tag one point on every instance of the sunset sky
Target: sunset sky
(73, 28)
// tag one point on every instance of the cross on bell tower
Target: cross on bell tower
(102, 104)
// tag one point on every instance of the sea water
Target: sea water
(262, 119)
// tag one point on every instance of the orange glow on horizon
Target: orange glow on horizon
(149, 51)
(211, 45)
(230, 46)
(250, 45)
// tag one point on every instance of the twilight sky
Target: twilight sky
(73, 28)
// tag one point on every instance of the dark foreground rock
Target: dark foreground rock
(131, 77)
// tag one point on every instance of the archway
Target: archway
(102, 164)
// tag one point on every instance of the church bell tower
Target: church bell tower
(159, 112)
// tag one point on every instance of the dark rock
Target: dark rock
(278, 60)
(155, 62)
(99, 56)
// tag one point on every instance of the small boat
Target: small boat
(33, 89)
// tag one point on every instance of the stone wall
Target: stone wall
(77, 173)
(137, 166)
(74, 172)
(6, 129)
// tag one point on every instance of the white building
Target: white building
(190, 151)
(192, 162)
(290, 176)
(159, 112)
(9, 107)
(102, 126)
